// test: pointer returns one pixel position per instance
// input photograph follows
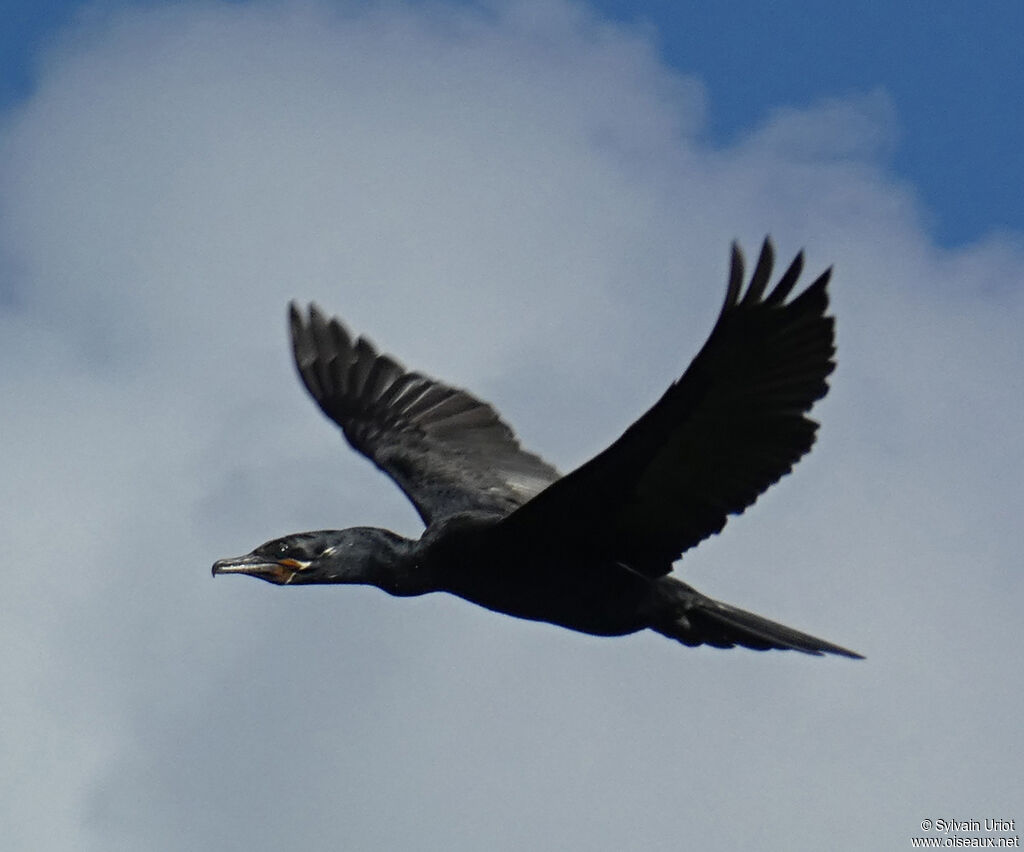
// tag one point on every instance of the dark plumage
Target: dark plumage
(590, 551)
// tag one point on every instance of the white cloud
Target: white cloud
(519, 200)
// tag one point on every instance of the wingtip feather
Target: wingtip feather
(762, 272)
(732, 291)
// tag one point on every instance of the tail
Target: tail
(705, 621)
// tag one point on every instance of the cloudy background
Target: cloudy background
(534, 200)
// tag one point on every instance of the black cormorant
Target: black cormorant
(592, 550)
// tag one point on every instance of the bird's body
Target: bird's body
(590, 551)
(533, 580)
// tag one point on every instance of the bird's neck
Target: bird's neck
(402, 576)
(382, 559)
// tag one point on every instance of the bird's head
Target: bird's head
(356, 555)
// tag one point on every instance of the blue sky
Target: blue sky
(533, 200)
(953, 70)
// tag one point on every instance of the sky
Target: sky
(534, 201)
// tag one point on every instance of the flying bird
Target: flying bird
(593, 550)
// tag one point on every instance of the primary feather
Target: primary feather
(448, 451)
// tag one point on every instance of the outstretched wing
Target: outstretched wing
(448, 451)
(732, 425)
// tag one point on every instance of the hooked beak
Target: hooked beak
(281, 571)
